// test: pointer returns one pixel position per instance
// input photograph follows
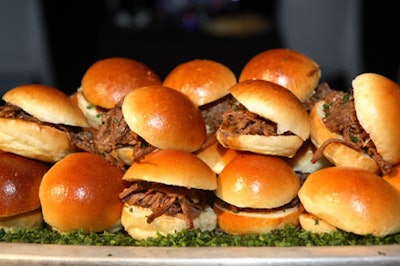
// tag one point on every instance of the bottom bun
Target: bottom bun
(32, 140)
(246, 223)
(313, 224)
(272, 145)
(32, 219)
(134, 221)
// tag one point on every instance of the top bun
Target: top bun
(47, 104)
(376, 101)
(291, 69)
(20, 179)
(202, 80)
(352, 199)
(81, 191)
(257, 181)
(165, 118)
(173, 167)
(108, 80)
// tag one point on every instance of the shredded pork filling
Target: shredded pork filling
(113, 134)
(180, 202)
(241, 121)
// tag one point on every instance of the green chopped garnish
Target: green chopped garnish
(354, 139)
(289, 236)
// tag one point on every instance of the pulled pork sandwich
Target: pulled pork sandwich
(256, 194)
(35, 122)
(266, 118)
(20, 179)
(359, 128)
(106, 82)
(170, 191)
(206, 82)
(148, 118)
(289, 68)
(351, 199)
(80, 192)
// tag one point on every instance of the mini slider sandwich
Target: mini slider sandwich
(266, 118)
(36, 121)
(170, 190)
(359, 128)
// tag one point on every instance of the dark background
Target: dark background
(162, 34)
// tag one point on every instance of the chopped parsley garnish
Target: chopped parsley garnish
(290, 236)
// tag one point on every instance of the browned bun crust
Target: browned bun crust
(352, 199)
(243, 223)
(165, 118)
(257, 181)
(289, 68)
(20, 179)
(41, 141)
(274, 103)
(376, 101)
(161, 166)
(108, 80)
(81, 191)
(394, 177)
(202, 80)
(216, 155)
(337, 153)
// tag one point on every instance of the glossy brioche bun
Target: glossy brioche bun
(40, 141)
(81, 192)
(202, 80)
(352, 199)
(165, 118)
(376, 101)
(20, 179)
(289, 68)
(261, 182)
(107, 81)
(394, 177)
(175, 168)
(216, 155)
(277, 104)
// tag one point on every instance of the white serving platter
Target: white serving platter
(49, 254)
